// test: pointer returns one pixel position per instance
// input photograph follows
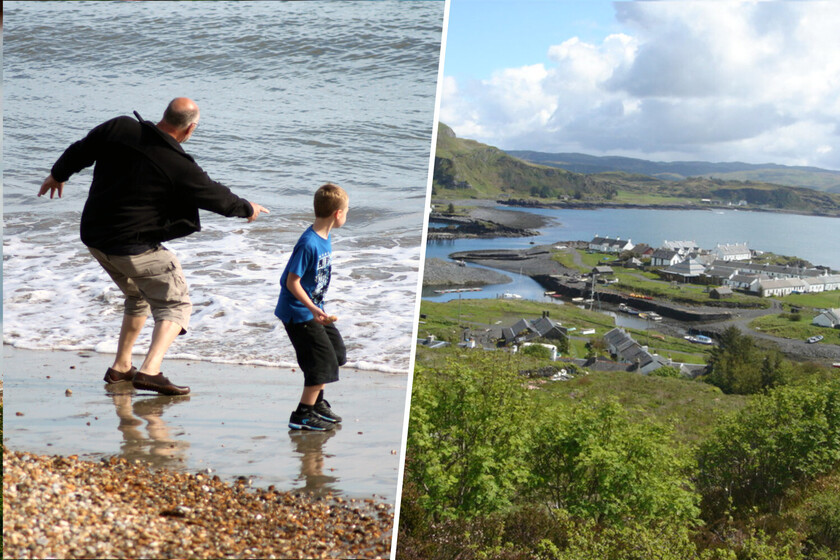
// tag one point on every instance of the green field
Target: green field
(447, 321)
(784, 327)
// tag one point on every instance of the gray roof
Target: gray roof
(626, 348)
(688, 267)
(666, 254)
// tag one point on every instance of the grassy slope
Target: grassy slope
(446, 321)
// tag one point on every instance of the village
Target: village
(731, 281)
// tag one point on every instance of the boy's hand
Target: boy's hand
(321, 317)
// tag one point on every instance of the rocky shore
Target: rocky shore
(484, 221)
(438, 272)
(63, 507)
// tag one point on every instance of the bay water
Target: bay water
(814, 238)
(292, 94)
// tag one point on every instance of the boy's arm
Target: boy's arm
(293, 284)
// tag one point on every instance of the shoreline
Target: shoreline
(234, 422)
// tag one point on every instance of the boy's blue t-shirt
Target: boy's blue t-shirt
(311, 260)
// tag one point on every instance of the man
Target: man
(145, 190)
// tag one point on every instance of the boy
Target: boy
(318, 344)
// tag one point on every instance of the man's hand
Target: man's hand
(52, 185)
(257, 209)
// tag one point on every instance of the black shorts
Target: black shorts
(320, 351)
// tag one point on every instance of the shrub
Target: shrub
(466, 436)
(593, 462)
(779, 439)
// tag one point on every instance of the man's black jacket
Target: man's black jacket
(145, 188)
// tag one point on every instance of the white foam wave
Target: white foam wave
(57, 297)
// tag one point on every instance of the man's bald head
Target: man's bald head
(181, 113)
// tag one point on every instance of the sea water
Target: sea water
(813, 238)
(292, 95)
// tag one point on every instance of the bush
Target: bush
(466, 437)
(537, 351)
(593, 462)
(787, 436)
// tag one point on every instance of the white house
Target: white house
(830, 319)
(665, 257)
(779, 286)
(609, 245)
(732, 252)
(681, 247)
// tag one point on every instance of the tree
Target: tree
(739, 367)
(466, 438)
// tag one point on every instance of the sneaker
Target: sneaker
(158, 383)
(308, 421)
(322, 410)
(114, 376)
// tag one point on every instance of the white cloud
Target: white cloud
(723, 80)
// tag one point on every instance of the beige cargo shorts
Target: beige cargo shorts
(150, 281)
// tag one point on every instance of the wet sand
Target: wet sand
(233, 424)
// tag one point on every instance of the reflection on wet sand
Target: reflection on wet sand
(154, 445)
(310, 447)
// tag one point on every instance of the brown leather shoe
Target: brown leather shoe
(114, 376)
(158, 383)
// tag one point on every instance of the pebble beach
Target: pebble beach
(217, 474)
(63, 507)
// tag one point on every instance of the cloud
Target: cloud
(721, 80)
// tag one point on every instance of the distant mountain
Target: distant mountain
(793, 176)
(468, 169)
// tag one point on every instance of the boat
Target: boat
(654, 316)
(640, 296)
(814, 339)
(457, 290)
(510, 295)
(836, 364)
(698, 339)
(624, 308)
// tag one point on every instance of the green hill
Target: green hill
(791, 176)
(468, 169)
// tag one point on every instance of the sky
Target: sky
(757, 82)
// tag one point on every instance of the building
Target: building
(627, 350)
(684, 271)
(525, 330)
(829, 318)
(610, 245)
(682, 247)
(778, 286)
(721, 292)
(732, 252)
(665, 257)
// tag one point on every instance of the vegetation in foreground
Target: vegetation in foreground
(599, 468)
